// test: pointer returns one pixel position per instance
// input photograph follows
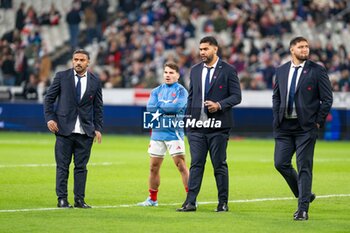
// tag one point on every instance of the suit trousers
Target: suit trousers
(200, 143)
(78, 145)
(290, 138)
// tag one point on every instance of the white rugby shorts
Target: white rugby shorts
(159, 148)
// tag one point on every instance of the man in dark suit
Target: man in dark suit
(76, 120)
(302, 99)
(214, 90)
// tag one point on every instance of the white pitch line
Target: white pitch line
(24, 142)
(52, 165)
(315, 160)
(178, 204)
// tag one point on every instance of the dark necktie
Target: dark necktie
(207, 87)
(292, 91)
(78, 88)
(207, 83)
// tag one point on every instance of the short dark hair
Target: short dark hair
(296, 40)
(83, 52)
(172, 66)
(210, 40)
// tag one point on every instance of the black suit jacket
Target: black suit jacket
(225, 89)
(89, 109)
(313, 95)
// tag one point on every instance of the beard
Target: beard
(207, 59)
(302, 57)
(78, 68)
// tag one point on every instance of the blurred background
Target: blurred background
(130, 40)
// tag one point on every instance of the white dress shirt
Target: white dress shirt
(83, 82)
(290, 75)
(204, 116)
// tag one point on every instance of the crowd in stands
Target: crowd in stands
(147, 33)
(132, 49)
(24, 60)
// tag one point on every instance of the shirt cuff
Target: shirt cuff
(219, 105)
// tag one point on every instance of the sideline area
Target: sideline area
(176, 204)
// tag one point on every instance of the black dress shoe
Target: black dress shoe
(222, 207)
(63, 203)
(81, 204)
(312, 197)
(301, 215)
(187, 208)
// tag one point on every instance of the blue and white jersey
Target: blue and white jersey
(170, 101)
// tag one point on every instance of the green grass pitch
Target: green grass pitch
(260, 200)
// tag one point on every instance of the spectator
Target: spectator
(52, 17)
(268, 72)
(116, 79)
(8, 69)
(344, 82)
(73, 19)
(21, 65)
(31, 16)
(105, 79)
(20, 16)
(90, 18)
(12, 37)
(100, 7)
(30, 89)
(44, 70)
(30, 21)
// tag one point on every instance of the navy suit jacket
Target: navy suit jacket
(313, 95)
(65, 113)
(225, 89)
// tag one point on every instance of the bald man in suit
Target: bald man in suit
(302, 99)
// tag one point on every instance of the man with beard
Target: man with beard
(76, 121)
(302, 98)
(214, 90)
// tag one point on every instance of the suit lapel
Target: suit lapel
(284, 79)
(198, 75)
(303, 75)
(216, 74)
(72, 81)
(88, 85)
